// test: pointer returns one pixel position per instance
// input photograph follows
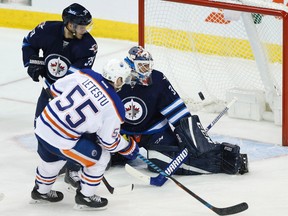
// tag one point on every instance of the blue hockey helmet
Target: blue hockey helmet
(76, 14)
(141, 63)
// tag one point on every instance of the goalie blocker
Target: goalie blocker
(203, 156)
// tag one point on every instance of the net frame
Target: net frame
(259, 7)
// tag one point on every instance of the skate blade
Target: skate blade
(32, 201)
(87, 208)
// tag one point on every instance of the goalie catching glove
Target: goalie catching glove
(36, 67)
(132, 149)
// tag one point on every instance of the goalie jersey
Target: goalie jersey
(59, 53)
(150, 109)
(84, 103)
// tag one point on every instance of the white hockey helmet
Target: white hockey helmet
(116, 69)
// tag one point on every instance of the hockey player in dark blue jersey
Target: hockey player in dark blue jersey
(54, 48)
(154, 108)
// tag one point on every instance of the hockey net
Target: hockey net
(217, 47)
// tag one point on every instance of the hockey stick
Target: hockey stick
(112, 190)
(182, 156)
(220, 211)
(221, 114)
(45, 87)
(117, 190)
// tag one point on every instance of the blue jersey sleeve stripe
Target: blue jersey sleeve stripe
(172, 106)
(183, 112)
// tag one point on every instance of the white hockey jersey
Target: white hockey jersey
(84, 102)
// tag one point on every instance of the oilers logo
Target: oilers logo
(57, 66)
(135, 110)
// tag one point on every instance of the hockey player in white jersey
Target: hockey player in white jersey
(84, 102)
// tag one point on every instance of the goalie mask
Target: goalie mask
(116, 69)
(141, 63)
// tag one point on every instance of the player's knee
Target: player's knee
(51, 168)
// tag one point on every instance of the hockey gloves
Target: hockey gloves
(131, 151)
(36, 67)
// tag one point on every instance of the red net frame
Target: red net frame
(243, 8)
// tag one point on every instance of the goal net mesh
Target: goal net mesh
(211, 50)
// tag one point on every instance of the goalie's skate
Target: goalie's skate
(244, 164)
(72, 180)
(91, 203)
(51, 196)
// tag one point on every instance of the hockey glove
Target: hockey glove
(131, 151)
(36, 67)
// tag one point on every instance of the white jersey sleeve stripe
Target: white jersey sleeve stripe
(54, 91)
(112, 146)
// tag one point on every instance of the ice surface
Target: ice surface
(264, 188)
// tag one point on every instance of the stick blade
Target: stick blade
(133, 172)
(123, 189)
(231, 210)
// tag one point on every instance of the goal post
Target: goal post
(218, 47)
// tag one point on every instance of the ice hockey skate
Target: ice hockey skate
(51, 196)
(91, 203)
(244, 164)
(72, 180)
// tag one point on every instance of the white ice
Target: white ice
(264, 188)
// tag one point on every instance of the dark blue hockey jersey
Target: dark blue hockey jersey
(59, 53)
(149, 109)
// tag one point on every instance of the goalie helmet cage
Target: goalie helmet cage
(214, 46)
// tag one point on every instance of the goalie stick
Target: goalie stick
(112, 190)
(183, 155)
(220, 211)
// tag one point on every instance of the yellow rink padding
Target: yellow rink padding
(12, 18)
(213, 45)
(209, 44)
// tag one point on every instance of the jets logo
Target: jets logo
(57, 66)
(135, 110)
(94, 48)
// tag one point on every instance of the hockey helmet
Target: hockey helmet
(115, 69)
(141, 63)
(76, 14)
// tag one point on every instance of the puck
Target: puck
(201, 95)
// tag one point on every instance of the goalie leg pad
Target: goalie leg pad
(174, 161)
(191, 135)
